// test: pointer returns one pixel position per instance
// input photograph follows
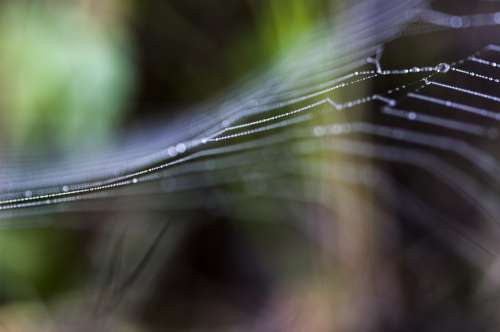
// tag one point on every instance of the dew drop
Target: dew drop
(456, 22)
(497, 18)
(442, 68)
(172, 152)
(180, 148)
(319, 131)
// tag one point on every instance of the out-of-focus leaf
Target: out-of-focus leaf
(64, 78)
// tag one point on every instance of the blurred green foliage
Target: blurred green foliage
(64, 79)
(280, 25)
(284, 22)
(36, 262)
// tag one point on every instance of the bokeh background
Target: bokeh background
(78, 75)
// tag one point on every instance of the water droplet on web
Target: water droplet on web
(180, 148)
(497, 18)
(443, 68)
(319, 131)
(65, 188)
(336, 129)
(134, 180)
(172, 152)
(28, 193)
(456, 22)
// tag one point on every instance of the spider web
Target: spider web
(275, 134)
